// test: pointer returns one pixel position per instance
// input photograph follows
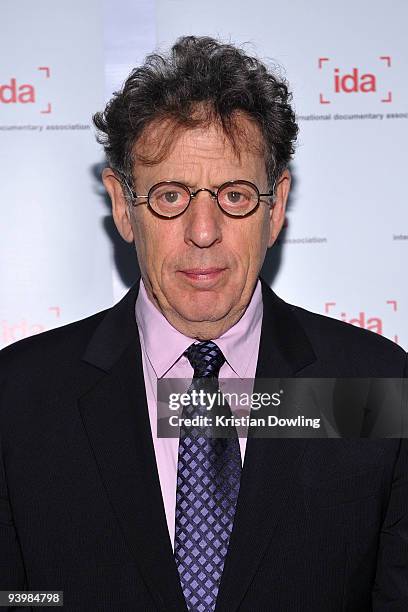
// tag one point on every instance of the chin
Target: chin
(201, 315)
(200, 308)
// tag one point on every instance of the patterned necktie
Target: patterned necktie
(208, 477)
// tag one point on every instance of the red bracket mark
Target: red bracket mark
(56, 309)
(388, 98)
(393, 303)
(386, 58)
(320, 64)
(322, 100)
(47, 110)
(321, 60)
(46, 70)
(328, 305)
(396, 339)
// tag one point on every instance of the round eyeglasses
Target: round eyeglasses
(170, 199)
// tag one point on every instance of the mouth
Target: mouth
(202, 276)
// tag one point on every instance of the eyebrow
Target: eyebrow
(192, 187)
(172, 180)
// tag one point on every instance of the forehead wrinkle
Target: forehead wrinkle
(201, 139)
(190, 166)
(160, 135)
(197, 149)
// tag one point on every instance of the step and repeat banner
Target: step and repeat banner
(344, 248)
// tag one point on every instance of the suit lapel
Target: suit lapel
(116, 420)
(270, 464)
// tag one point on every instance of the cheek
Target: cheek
(144, 242)
(264, 232)
(251, 241)
(155, 243)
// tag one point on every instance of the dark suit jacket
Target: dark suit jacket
(321, 524)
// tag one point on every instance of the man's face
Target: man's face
(200, 268)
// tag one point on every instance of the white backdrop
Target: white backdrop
(344, 249)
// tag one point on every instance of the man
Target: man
(92, 501)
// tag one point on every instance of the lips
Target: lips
(202, 274)
(202, 270)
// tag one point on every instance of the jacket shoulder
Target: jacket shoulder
(362, 349)
(60, 343)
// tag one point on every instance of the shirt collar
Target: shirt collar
(164, 344)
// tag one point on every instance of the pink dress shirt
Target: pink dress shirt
(162, 354)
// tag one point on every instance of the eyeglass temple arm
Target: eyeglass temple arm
(272, 193)
(132, 194)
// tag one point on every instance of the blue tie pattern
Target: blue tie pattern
(208, 478)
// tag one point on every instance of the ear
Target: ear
(278, 210)
(120, 208)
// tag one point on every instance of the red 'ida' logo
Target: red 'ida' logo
(13, 91)
(354, 80)
(362, 318)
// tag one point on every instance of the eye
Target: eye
(235, 197)
(171, 197)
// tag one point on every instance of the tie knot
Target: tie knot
(206, 358)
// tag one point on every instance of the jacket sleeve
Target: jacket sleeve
(390, 592)
(12, 573)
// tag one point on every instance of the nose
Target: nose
(203, 220)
